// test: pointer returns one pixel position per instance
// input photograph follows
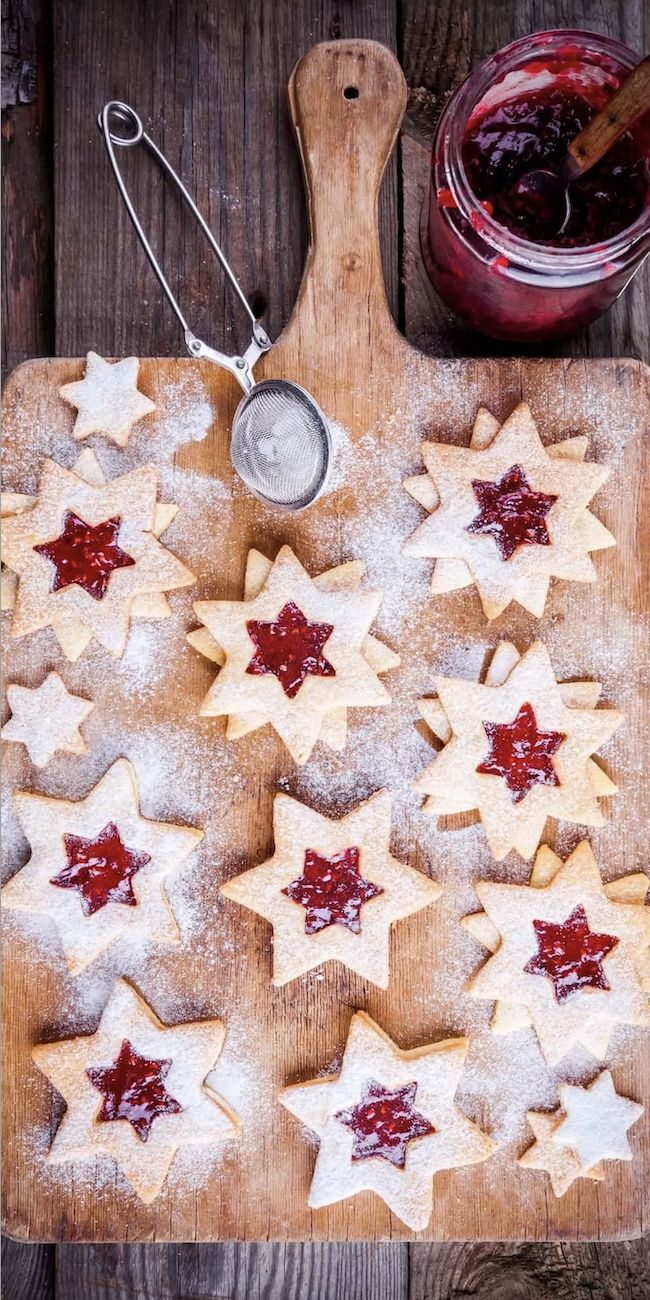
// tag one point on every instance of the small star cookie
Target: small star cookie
(332, 889)
(517, 748)
(296, 652)
(387, 1123)
(570, 955)
(560, 1163)
(97, 867)
(590, 1127)
(107, 399)
(508, 514)
(86, 555)
(136, 1091)
(46, 719)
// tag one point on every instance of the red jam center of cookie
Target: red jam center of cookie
(133, 1088)
(521, 753)
(511, 512)
(332, 891)
(384, 1122)
(290, 648)
(101, 869)
(571, 954)
(85, 554)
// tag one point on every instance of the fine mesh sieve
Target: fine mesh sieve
(280, 442)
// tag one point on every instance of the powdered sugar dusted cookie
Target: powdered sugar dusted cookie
(589, 1127)
(46, 719)
(507, 513)
(561, 1164)
(570, 954)
(332, 889)
(98, 867)
(296, 652)
(87, 556)
(136, 1091)
(517, 748)
(387, 1123)
(107, 399)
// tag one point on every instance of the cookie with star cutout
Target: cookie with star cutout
(107, 400)
(86, 556)
(296, 652)
(570, 954)
(332, 889)
(98, 868)
(387, 1123)
(136, 1091)
(507, 514)
(518, 749)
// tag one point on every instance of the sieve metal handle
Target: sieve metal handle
(240, 366)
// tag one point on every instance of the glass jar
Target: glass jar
(495, 280)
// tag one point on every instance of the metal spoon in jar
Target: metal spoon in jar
(544, 195)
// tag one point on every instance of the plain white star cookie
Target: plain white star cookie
(107, 399)
(136, 1091)
(570, 954)
(98, 868)
(560, 1163)
(295, 652)
(507, 513)
(518, 749)
(332, 889)
(46, 719)
(387, 1123)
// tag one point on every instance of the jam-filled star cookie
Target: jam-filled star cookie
(332, 889)
(107, 399)
(507, 513)
(518, 749)
(136, 1091)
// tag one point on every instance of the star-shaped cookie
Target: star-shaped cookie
(387, 1123)
(97, 867)
(135, 1090)
(87, 556)
(561, 1164)
(570, 955)
(296, 652)
(107, 399)
(46, 719)
(589, 1127)
(332, 889)
(507, 513)
(517, 748)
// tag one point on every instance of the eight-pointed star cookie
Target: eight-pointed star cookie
(518, 748)
(332, 889)
(46, 719)
(569, 953)
(508, 513)
(97, 867)
(296, 653)
(136, 1090)
(393, 1105)
(81, 596)
(107, 399)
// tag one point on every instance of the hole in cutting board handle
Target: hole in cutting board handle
(351, 92)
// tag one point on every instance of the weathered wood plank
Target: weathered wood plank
(27, 1271)
(581, 1271)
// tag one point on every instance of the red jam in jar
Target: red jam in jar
(487, 247)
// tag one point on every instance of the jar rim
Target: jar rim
(452, 123)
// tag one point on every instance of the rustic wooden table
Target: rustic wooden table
(209, 76)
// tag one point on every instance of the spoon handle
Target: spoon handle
(629, 102)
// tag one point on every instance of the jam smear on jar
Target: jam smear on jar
(384, 1122)
(521, 753)
(332, 891)
(290, 647)
(85, 554)
(101, 869)
(133, 1088)
(511, 512)
(571, 954)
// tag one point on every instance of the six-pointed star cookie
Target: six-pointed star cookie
(332, 889)
(517, 748)
(135, 1090)
(596, 1121)
(97, 867)
(508, 513)
(46, 718)
(78, 584)
(295, 654)
(107, 399)
(567, 952)
(561, 1164)
(387, 1123)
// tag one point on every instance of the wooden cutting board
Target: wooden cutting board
(342, 345)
